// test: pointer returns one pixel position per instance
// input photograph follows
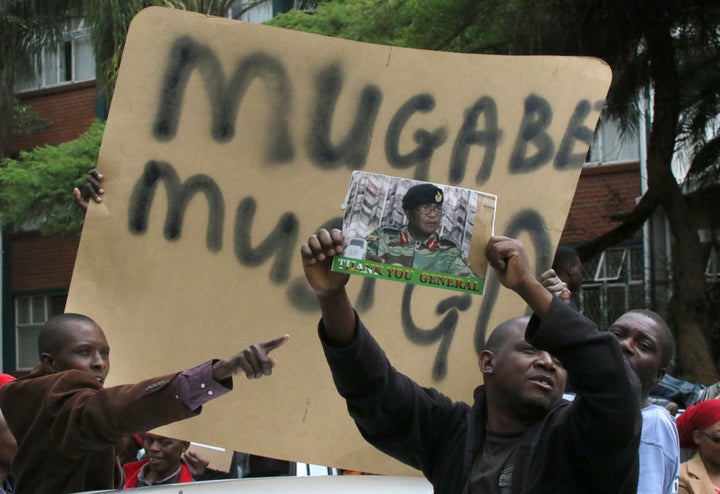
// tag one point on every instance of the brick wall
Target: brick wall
(70, 110)
(39, 263)
(602, 191)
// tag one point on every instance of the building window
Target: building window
(31, 312)
(613, 284)
(712, 268)
(611, 145)
(65, 62)
(254, 11)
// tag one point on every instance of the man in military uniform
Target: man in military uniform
(418, 244)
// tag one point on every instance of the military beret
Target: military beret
(420, 194)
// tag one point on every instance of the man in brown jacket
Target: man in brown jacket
(67, 424)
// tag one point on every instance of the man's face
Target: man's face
(163, 454)
(640, 340)
(574, 275)
(424, 220)
(82, 347)
(526, 379)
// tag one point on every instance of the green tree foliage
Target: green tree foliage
(36, 188)
(360, 20)
(26, 120)
(466, 26)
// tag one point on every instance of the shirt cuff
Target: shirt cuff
(195, 387)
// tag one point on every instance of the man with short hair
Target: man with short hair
(568, 267)
(162, 464)
(520, 436)
(648, 346)
(418, 244)
(669, 391)
(67, 424)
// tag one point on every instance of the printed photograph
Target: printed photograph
(416, 232)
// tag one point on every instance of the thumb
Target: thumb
(77, 197)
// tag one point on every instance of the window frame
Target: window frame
(603, 288)
(598, 154)
(60, 53)
(34, 321)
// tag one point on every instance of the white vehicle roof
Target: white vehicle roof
(344, 484)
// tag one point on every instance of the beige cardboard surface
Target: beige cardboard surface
(218, 458)
(246, 115)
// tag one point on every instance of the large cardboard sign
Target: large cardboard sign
(229, 143)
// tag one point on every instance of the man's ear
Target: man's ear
(661, 373)
(486, 362)
(48, 362)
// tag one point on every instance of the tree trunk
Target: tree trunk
(630, 224)
(689, 308)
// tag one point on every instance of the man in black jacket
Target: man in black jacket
(519, 436)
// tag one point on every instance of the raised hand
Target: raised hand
(507, 256)
(93, 190)
(552, 282)
(195, 463)
(317, 255)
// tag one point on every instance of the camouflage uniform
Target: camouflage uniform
(395, 245)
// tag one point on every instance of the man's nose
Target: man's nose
(544, 359)
(98, 360)
(625, 346)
